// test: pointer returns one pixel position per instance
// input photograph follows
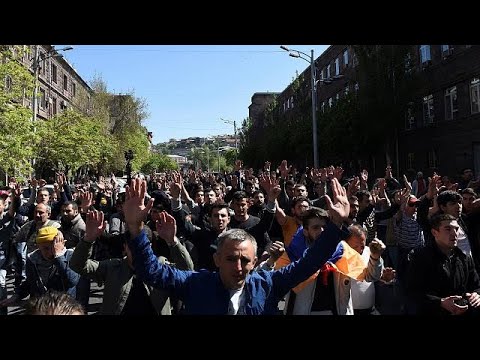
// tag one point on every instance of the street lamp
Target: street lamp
(311, 60)
(234, 123)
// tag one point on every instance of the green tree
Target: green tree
(70, 140)
(121, 118)
(386, 86)
(230, 157)
(157, 163)
(17, 138)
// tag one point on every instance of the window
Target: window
(328, 71)
(475, 95)
(337, 66)
(337, 96)
(354, 60)
(432, 159)
(345, 58)
(322, 106)
(65, 82)
(74, 89)
(54, 106)
(330, 102)
(410, 161)
(356, 87)
(445, 48)
(347, 89)
(451, 105)
(425, 53)
(410, 122)
(43, 99)
(291, 101)
(54, 73)
(42, 64)
(428, 109)
(408, 63)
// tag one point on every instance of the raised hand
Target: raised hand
(58, 244)
(433, 186)
(274, 190)
(338, 173)
(377, 247)
(86, 200)
(339, 208)
(94, 226)
(275, 251)
(284, 169)
(353, 186)
(166, 227)
(364, 176)
(134, 209)
(266, 166)
(408, 185)
(176, 185)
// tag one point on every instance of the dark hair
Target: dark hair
(361, 194)
(437, 219)
(257, 192)
(54, 303)
(239, 195)
(73, 203)
(299, 199)
(352, 198)
(219, 207)
(448, 195)
(290, 183)
(312, 213)
(468, 191)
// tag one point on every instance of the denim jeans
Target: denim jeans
(20, 258)
(3, 280)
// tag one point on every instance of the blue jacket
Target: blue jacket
(204, 293)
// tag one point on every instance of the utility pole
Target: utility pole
(234, 123)
(36, 67)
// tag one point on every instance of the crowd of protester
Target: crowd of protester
(190, 242)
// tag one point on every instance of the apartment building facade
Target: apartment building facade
(59, 86)
(441, 131)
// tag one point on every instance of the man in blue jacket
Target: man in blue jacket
(234, 289)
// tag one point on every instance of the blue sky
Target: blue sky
(188, 88)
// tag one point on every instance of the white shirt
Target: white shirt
(237, 302)
(363, 292)
(463, 243)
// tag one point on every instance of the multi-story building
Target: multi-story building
(440, 132)
(442, 129)
(59, 86)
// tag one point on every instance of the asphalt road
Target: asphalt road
(96, 294)
(387, 299)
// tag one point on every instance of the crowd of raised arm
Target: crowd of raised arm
(190, 242)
